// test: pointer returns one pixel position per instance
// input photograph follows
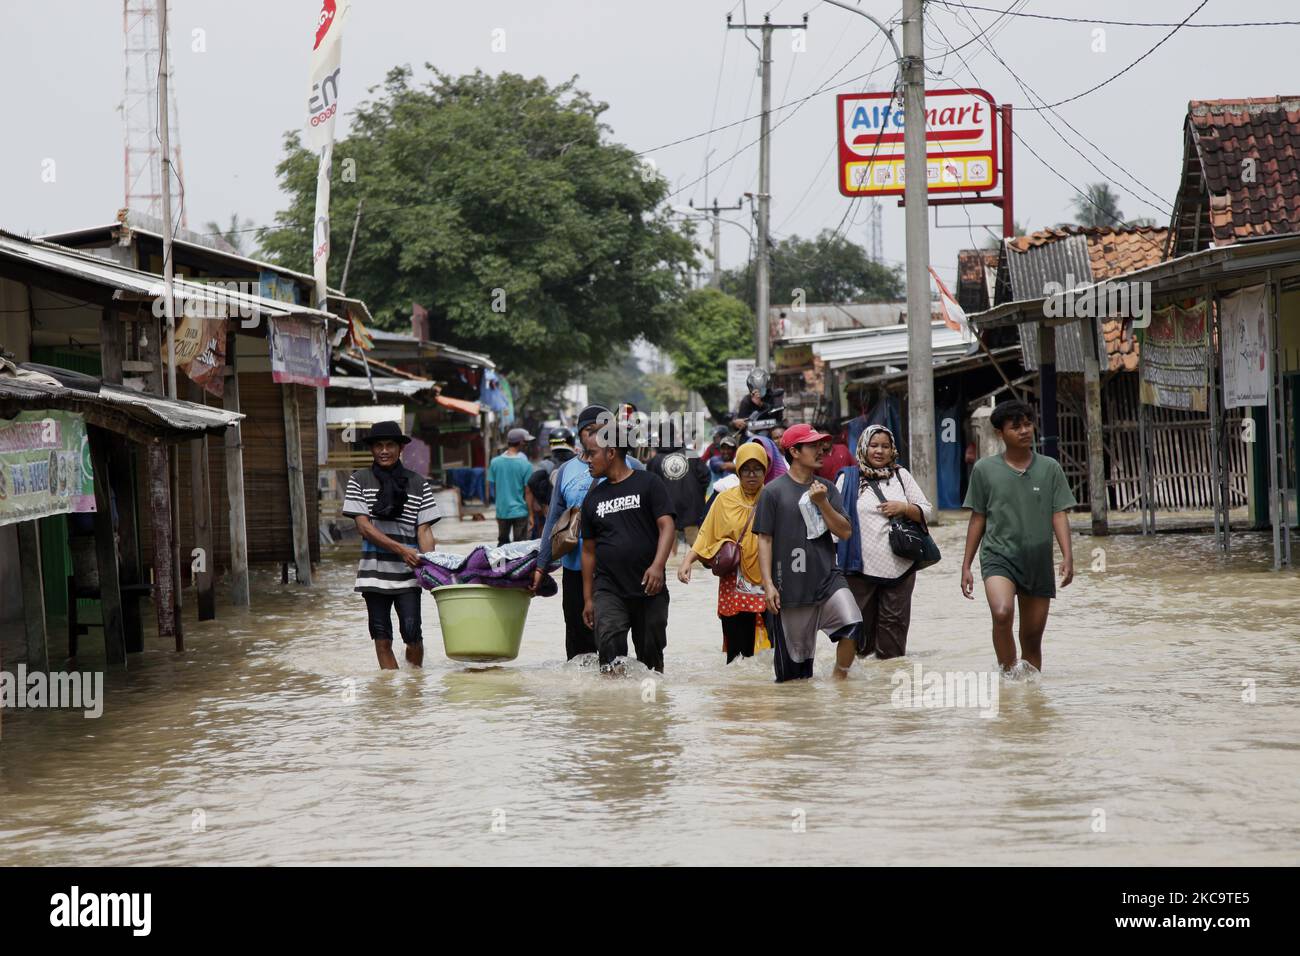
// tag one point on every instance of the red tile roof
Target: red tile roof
(1228, 132)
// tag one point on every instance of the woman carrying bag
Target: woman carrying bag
(881, 497)
(727, 540)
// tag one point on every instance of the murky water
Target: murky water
(1136, 747)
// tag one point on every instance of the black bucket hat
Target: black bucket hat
(386, 431)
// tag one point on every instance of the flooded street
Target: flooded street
(275, 740)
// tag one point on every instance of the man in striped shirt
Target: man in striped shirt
(395, 512)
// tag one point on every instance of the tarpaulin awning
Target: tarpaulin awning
(459, 404)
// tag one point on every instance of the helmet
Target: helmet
(561, 438)
(757, 380)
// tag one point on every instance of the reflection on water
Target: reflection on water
(275, 738)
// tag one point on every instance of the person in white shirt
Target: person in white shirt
(876, 490)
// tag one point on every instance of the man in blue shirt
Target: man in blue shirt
(506, 478)
(571, 482)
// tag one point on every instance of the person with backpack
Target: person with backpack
(540, 484)
(876, 491)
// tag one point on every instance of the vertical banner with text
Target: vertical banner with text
(322, 110)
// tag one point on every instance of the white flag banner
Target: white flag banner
(954, 316)
(322, 110)
(1243, 324)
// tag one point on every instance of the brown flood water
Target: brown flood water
(1139, 724)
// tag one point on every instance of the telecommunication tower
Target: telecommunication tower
(142, 159)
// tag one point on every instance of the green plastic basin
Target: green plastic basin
(480, 623)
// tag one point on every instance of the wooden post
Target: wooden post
(1097, 499)
(178, 593)
(110, 592)
(159, 468)
(29, 549)
(160, 520)
(201, 512)
(239, 590)
(297, 483)
(111, 346)
(1047, 388)
(112, 338)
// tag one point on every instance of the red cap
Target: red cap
(801, 435)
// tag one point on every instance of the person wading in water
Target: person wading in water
(796, 517)
(395, 511)
(1019, 500)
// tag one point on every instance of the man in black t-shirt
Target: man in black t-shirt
(627, 534)
(687, 479)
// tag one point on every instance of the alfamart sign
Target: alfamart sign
(961, 142)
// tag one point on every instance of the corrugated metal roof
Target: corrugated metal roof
(441, 348)
(156, 414)
(820, 318)
(383, 385)
(1065, 261)
(111, 275)
(885, 346)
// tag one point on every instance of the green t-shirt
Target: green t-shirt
(1018, 510)
(508, 474)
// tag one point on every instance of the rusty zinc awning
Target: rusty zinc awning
(116, 409)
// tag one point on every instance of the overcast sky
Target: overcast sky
(667, 69)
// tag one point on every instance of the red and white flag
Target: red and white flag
(954, 316)
(322, 110)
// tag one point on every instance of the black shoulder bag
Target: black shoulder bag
(910, 539)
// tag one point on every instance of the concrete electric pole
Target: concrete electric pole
(763, 296)
(920, 365)
(920, 368)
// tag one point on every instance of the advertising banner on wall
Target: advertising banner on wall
(201, 352)
(1243, 324)
(299, 351)
(1175, 358)
(44, 466)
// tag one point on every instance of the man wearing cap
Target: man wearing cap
(395, 511)
(506, 479)
(571, 482)
(795, 518)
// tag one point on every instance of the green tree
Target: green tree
(711, 327)
(621, 379)
(1098, 206)
(500, 205)
(238, 234)
(829, 268)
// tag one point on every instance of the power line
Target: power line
(1032, 94)
(1116, 76)
(1120, 23)
(1051, 168)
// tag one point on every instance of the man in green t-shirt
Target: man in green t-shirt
(1018, 503)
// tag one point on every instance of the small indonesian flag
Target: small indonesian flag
(953, 314)
(357, 332)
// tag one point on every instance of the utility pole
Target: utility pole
(920, 363)
(763, 296)
(712, 214)
(164, 135)
(920, 370)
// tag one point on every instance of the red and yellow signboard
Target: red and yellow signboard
(961, 142)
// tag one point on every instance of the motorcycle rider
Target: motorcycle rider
(762, 399)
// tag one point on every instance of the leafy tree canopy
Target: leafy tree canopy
(498, 204)
(829, 268)
(711, 327)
